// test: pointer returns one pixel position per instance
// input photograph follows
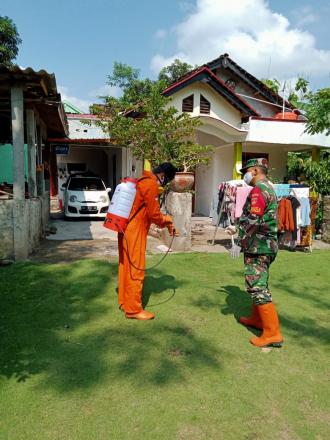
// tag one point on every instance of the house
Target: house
(31, 110)
(88, 148)
(242, 118)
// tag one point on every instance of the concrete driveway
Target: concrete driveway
(80, 229)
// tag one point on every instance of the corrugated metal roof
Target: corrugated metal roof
(28, 75)
(40, 90)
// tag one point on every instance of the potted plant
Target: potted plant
(156, 131)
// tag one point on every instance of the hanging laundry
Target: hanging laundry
(285, 216)
(282, 189)
(305, 212)
(295, 205)
(241, 196)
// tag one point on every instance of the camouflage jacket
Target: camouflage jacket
(257, 226)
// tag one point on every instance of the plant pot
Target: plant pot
(183, 182)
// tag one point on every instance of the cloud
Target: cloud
(160, 34)
(82, 104)
(305, 15)
(257, 38)
(105, 91)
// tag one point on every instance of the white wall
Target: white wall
(207, 181)
(277, 157)
(221, 170)
(95, 158)
(220, 108)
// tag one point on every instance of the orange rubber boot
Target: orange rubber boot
(141, 316)
(253, 320)
(271, 335)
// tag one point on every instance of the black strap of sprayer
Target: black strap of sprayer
(144, 269)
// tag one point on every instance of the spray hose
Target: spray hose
(158, 262)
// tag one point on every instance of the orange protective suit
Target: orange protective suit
(145, 210)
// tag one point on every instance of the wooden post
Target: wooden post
(237, 160)
(17, 123)
(315, 154)
(31, 141)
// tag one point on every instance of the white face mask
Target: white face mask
(248, 177)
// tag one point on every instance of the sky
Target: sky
(79, 40)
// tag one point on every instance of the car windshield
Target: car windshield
(86, 184)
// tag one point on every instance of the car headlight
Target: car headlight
(73, 199)
(103, 199)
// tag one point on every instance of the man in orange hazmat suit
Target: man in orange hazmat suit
(132, 243)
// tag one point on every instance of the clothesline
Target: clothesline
(294, 218)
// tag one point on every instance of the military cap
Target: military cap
(260, 162)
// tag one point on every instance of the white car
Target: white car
(85, 196)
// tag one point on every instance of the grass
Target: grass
(73, 368)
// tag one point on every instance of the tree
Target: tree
(318, 112)
(272, 84)
(159, 134)
(174, 71)
(9, 41)
(128, 80)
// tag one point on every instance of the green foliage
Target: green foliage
(318, 112)
(316, 174)
(272, 84)
(128, 80)
(143, 120)
(174, 71)
(295, 164)
(9, 41)
(158, 134)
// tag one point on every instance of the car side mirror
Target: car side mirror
(108, 190)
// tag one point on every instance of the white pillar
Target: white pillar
(31, 141)
(20, 236)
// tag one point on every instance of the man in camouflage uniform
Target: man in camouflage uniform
(257, 238)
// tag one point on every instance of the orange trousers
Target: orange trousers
(130, 279)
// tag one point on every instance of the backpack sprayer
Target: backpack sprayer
(119, 211)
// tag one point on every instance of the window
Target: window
(86, 184)
(205, 106)
(188, 104)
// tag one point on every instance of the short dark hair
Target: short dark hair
(167, 168)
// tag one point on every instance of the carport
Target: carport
(88, 148)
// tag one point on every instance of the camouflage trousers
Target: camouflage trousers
(256, 277)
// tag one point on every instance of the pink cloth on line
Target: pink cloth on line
(241, 196)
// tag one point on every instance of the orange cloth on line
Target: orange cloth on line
(130, 279)
(285, 216)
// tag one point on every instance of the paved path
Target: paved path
(76, 239)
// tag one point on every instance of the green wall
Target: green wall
(6, 163)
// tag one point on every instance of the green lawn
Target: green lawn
(73, 368)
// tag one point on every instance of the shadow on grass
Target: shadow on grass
(304, 329)
(155, 285)
(61, 323)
